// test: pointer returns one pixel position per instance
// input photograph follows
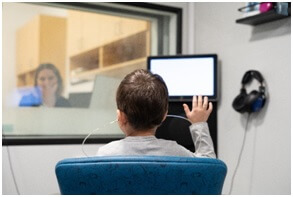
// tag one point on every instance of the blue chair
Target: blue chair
(121, 175)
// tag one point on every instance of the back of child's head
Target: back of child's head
(143, 97)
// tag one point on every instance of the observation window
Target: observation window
(92, 46)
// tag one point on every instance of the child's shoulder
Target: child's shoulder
(113, 143)
(109, 148)
(169, 142)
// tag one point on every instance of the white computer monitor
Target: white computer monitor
(187, 75)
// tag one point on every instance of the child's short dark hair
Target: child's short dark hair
(143, 97)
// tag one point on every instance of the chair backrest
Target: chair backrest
(141, 175)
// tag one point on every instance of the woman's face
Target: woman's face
(48, 82)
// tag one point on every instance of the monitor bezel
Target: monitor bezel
(185, 98)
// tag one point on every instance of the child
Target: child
(142, 102)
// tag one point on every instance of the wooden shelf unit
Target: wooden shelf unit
(85, 61)
(126, 49)
(100, 42)
(90, 74)
(113, 55)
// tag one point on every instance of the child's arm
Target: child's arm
(201, 110)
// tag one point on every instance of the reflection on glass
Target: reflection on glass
(47, 89)
(70, 61)
(80, 44)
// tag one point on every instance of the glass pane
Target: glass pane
(61, 67)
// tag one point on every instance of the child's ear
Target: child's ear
(165, 116)
(118, 114)
(121, 116)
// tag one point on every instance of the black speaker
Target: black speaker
(255, 100)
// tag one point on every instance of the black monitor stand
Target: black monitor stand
(178, 129)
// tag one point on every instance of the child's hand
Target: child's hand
(201, 110)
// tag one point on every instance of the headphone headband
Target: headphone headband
(249, 75)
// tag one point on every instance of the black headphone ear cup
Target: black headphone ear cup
(254, 101)
(239, 102)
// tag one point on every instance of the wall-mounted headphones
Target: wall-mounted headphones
(255, 100)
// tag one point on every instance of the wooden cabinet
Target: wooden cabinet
(26, 46)
(41, 40)
(88, 30)
(113, 55)
(97, 42)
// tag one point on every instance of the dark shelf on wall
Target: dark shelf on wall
(266, 17)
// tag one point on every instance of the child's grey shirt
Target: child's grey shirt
(150, 145)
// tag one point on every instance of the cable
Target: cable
(12, 171)
(240, 155)
(82, 145)
(175, 116)
(97, 129)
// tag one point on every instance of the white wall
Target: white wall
(265, 167)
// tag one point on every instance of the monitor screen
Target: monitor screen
(187, 75)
